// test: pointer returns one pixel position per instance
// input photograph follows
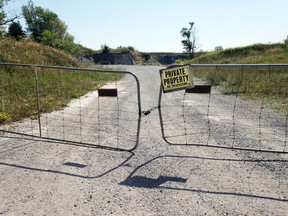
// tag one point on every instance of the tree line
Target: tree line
(42, 25)
(45, 27)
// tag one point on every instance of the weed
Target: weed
(4, 117)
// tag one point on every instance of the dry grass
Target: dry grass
(56, 87)
(268, 83)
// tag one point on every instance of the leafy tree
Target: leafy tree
(105, 48)
(4, 18)
(218, 48)
(2, 14)
(46, 28)
(15, 30)
(43, 23)
(286, 43)
(189, 42)
(68, 45)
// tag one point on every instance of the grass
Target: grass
(18, 98)
(254, 54)
(57, 87)
(260, 83)
(264, 83)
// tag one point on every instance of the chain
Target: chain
(147, 112)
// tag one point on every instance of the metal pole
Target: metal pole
(38, 100)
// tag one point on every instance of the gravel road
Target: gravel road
(50, 178)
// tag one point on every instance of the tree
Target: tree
(2, 16)
(43, 24)
(105, 48)
(6, 18)
(67, 44)
(15, 30)
(189, 42)
(218, 48)
(46, 28)
(286, 43)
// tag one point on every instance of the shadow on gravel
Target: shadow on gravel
(68, 164)
(71, 164)
(144, 182)
(138, 181)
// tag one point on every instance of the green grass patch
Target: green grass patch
(254, 54)
(269, 84)
(18, 98)
(260, 83)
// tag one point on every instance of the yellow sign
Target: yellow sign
(176, 78)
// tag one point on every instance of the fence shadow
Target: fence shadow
(136, 180)
(72, 164)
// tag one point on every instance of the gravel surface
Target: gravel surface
(54, 178)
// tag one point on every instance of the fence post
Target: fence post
(38, 100)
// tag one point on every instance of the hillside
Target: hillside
(254, 54)
(56, 87)
(260, 83)
(29, 52)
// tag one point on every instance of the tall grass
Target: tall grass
(56, 87)
(18, 96)
(263, 82)
(266, 83)
(254, 54)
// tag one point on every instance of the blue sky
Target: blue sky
(155, 25)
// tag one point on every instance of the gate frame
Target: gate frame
(215, 146)
(35, 67)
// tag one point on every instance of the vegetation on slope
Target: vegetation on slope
(267, 83)
(254, 54)
(28, 52)
(56, 87)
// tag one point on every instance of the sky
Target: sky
(155, 25)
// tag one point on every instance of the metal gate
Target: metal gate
(100, 118)
(241, 118)
(201, 116)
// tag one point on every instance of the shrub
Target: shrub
(286, 43)
(4, 117)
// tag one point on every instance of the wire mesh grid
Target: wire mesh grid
(108, 122)
(238, 113)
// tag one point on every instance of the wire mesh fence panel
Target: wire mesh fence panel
(246, 109)
(66, 104)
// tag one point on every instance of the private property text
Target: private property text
(176, 78)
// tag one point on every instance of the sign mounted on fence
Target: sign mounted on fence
(176, 78)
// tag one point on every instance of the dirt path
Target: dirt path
(48, 178)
